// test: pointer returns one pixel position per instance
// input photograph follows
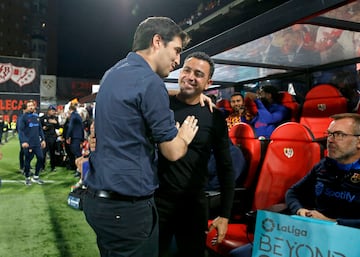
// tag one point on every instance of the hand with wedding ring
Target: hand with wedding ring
(188, 129)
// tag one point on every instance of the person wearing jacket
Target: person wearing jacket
(269, 114)
(74, 135)
(32, 141)
(331, 190)
(49, 124)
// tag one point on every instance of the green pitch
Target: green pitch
(35, 221)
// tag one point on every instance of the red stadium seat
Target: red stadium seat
(288, 101)
(291, 153)
(244, 136)
(253, 148)
(320, 103)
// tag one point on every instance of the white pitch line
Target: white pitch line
(22, 181)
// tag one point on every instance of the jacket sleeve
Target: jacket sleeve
(21, 130)
(278, 115)
(302, 194)
(224, 166)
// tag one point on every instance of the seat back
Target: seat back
(291, 153)
(320, 103)
(287, 100)
(244, 136)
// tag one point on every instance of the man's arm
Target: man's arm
(177, 148)
(172, 150)
(225, 174)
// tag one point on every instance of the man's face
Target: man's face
(237, 103)
(290, 43)
(30, 107)
(51, 112)
(194, 77)
(344, 149)
(168, 56)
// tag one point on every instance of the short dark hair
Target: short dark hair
(273, 91)
(203, 56)
(354, 116)
(163, 26)
(237, 94)
(30, 101)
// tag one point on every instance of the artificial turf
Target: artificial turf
(35, 221)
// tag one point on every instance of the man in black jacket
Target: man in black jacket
(50, 123)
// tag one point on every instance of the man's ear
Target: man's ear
(156, 40)
(208, 84)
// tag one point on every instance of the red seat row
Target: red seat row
(290, 154)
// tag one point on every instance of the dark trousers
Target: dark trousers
(71, 158)
(123, 228)
(50, 148)
(21, 158)
(183, 217)
(75, 147)
(29, 155)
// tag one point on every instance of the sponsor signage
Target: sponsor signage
(19, 82)
(295, 236)
(19, 75)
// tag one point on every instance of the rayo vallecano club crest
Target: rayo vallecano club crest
(20, 75)
(321, 107)
(289, 152)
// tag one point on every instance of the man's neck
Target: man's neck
(188, 99)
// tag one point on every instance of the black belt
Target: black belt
(116, 196)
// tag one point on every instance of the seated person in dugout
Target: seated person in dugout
(270, 113)
(331, 190)
(239, 167)
(238, 109)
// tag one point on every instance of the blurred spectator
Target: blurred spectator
(50, 123)
(32, 139)
(346, 82)
(74, 134)
(1, 128)
(21, 152)
(270, 113)
(239, 166)
(238, 110)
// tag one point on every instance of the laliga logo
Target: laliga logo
(268, 225)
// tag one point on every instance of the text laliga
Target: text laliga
(282, 247)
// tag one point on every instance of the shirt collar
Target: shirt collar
(351, 166)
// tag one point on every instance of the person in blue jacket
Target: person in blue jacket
(239, 167)
(270, 113)
(331, 190)
(74, 134)
(21, 152)
(32, 141)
